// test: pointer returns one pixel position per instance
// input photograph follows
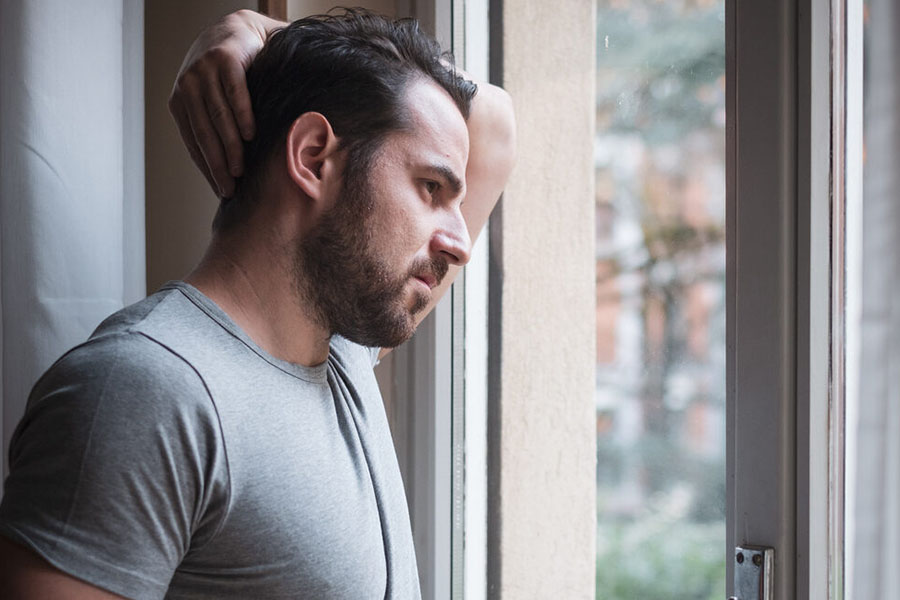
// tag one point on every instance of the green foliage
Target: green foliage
(660, 558)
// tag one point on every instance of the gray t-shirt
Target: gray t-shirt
(170, 456)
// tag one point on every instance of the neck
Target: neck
(253, 281)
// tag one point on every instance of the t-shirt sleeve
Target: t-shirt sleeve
(118, 467)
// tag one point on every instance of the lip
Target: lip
(428, 280)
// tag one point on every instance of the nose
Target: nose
(452, 240)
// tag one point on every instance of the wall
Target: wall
(542, 437)
(300, 8)
(180, 204)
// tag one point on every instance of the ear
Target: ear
(311, 151)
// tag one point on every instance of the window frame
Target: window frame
(787, 153)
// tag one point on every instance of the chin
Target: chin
(386, 323)
(385, 330)
(399, 334)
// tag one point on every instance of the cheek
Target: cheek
(402, 229)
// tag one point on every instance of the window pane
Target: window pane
(660, 394)
(872, 494)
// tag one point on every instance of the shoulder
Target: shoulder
(133, 354)
(121, 388)
(120, 361)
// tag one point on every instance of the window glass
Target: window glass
(660, 223)
(872, 551)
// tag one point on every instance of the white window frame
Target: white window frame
(472, 45)
(786, 216)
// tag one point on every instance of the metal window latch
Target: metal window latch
(754, 577)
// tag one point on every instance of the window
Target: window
(660, 396)
(872, 258)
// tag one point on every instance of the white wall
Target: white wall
(543, 431)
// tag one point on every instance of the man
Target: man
(224, 438)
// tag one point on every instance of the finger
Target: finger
(210, 144)
(187, 136)
(234, 82)
(223, 120)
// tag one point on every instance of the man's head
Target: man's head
(379, 95)
(353, 68)
(372, 261)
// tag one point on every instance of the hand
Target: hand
(210, 102)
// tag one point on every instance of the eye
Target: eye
(431, 186)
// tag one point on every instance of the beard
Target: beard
(351, 291)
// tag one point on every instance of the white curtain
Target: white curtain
(71, 180)
(875, 553)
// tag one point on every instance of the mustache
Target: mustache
(436, 267)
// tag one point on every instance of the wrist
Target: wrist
(259, 24)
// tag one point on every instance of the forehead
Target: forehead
(437, 132)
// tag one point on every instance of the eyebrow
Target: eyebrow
(446, 173)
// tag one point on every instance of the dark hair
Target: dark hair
(352, 67)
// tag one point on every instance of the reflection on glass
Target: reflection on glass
(660, 393)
